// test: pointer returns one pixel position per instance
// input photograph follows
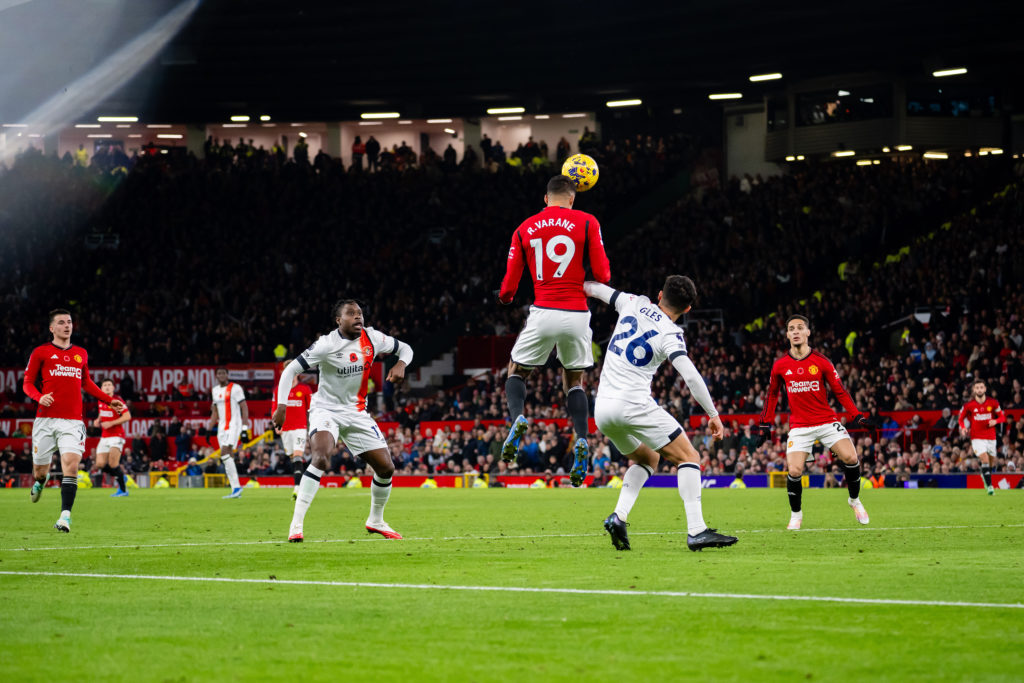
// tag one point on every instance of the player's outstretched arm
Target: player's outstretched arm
(596, 290)
(698, 389)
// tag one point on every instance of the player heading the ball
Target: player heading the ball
(555, 245)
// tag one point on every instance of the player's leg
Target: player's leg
(379, 460)
(795, 461)
(612, 419)
(847, 454)
(321, 442)
(574, 342)
(68, 489)
(44, 443)
(515, 397)
(579, 411)
(113, 468)
(986, 455)
(228, 440)
(297, 469)
(680, 452)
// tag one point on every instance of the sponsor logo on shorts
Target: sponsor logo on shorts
(790, 445)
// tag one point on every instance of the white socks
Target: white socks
(380, 491)
(307, 489)
(231, 471)
(688, 477)
(632, 482)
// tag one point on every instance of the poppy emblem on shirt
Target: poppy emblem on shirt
(67, 358)
(353, 357)
(78, 359)
(813, 369)
(799, 371)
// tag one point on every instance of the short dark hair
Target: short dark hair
(679, 292)
(342, 303)
(221, 367)
(561, 185)
(104, 381)
(797, 316)
(58, 311)
(979, 381)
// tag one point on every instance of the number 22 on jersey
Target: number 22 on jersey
(563, 259)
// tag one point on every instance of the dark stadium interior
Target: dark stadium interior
(225, 255)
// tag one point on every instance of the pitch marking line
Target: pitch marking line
(525, 589)
(133, 546)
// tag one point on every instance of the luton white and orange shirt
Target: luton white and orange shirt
(228, 400)
(345, 366)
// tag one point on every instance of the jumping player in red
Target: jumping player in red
(108, 452)
(62, 370)
(293, 432)
(555, 245)
(978, 420)
(805, 374)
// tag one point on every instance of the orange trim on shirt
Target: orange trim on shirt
(366, 350)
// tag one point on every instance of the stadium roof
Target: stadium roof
(329, 60)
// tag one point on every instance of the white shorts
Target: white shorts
(547, 328)
(630, 424)
(56, 434)
(984, 446)
(108, 442)
(354, 428)
(229, 436)
(801, 439)
(294, 440)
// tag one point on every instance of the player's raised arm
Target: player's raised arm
(599, 265)
(513, 270)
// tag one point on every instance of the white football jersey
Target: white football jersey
(644, 338)
(345, 366)
(228, 400)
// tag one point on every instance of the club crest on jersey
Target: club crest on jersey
(813, 369)
(78, 359)
(367, 350)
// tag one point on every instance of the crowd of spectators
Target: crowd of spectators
(221, 259)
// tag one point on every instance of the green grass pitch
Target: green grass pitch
(659, 612)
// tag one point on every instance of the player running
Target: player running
(806, 374)
(108, 452)
(646, 335)
(555, 244)
(338, 409)
(293, 433)
(978, 419)
(63, 370)
(230, 415)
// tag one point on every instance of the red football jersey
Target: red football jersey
(805, 381)
(295, 415)
(554, 245)
(64, 373)
(983, 417)
(108, 414)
